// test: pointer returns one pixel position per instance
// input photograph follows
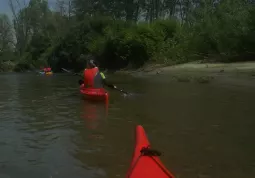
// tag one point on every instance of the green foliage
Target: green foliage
(218, 32)
(116, 44)
(6, 38)
(125, 34)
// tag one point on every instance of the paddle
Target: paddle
(109, 85)
(68, 71)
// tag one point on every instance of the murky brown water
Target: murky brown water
(48, 131)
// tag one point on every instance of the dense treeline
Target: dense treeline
(124, 33)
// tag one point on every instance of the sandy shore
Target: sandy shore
(241, 67)
(241, 74)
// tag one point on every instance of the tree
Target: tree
(20, 23)
(6, 36)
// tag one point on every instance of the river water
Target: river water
(48, 131)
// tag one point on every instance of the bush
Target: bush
(116, 44)
(7, 66)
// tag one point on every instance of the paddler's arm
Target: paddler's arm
(105, 82)
(103, 78)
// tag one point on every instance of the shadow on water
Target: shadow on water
(48, 130)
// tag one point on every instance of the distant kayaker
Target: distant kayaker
(48, 69)
(93, 78)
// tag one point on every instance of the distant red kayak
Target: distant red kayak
(145, 161)
(99, 94)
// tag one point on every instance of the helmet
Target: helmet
(91, 61)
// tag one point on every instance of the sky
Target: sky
(4, 7)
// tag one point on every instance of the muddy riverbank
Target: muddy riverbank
(197, 72)
(247, 67)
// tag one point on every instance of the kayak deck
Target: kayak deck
(46, 73)
(98, 94)
(145, 161)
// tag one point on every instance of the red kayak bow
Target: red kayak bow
(145, 161)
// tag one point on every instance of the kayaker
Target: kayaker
(93, 78)
(48, 69)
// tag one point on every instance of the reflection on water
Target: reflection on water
(48, 130)
(94, 113)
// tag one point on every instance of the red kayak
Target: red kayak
(99, 94)
(145, 161)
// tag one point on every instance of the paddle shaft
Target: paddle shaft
(109, 85)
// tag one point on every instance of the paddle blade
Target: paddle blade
(111, 86)
(114, 87)
(66, 70)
